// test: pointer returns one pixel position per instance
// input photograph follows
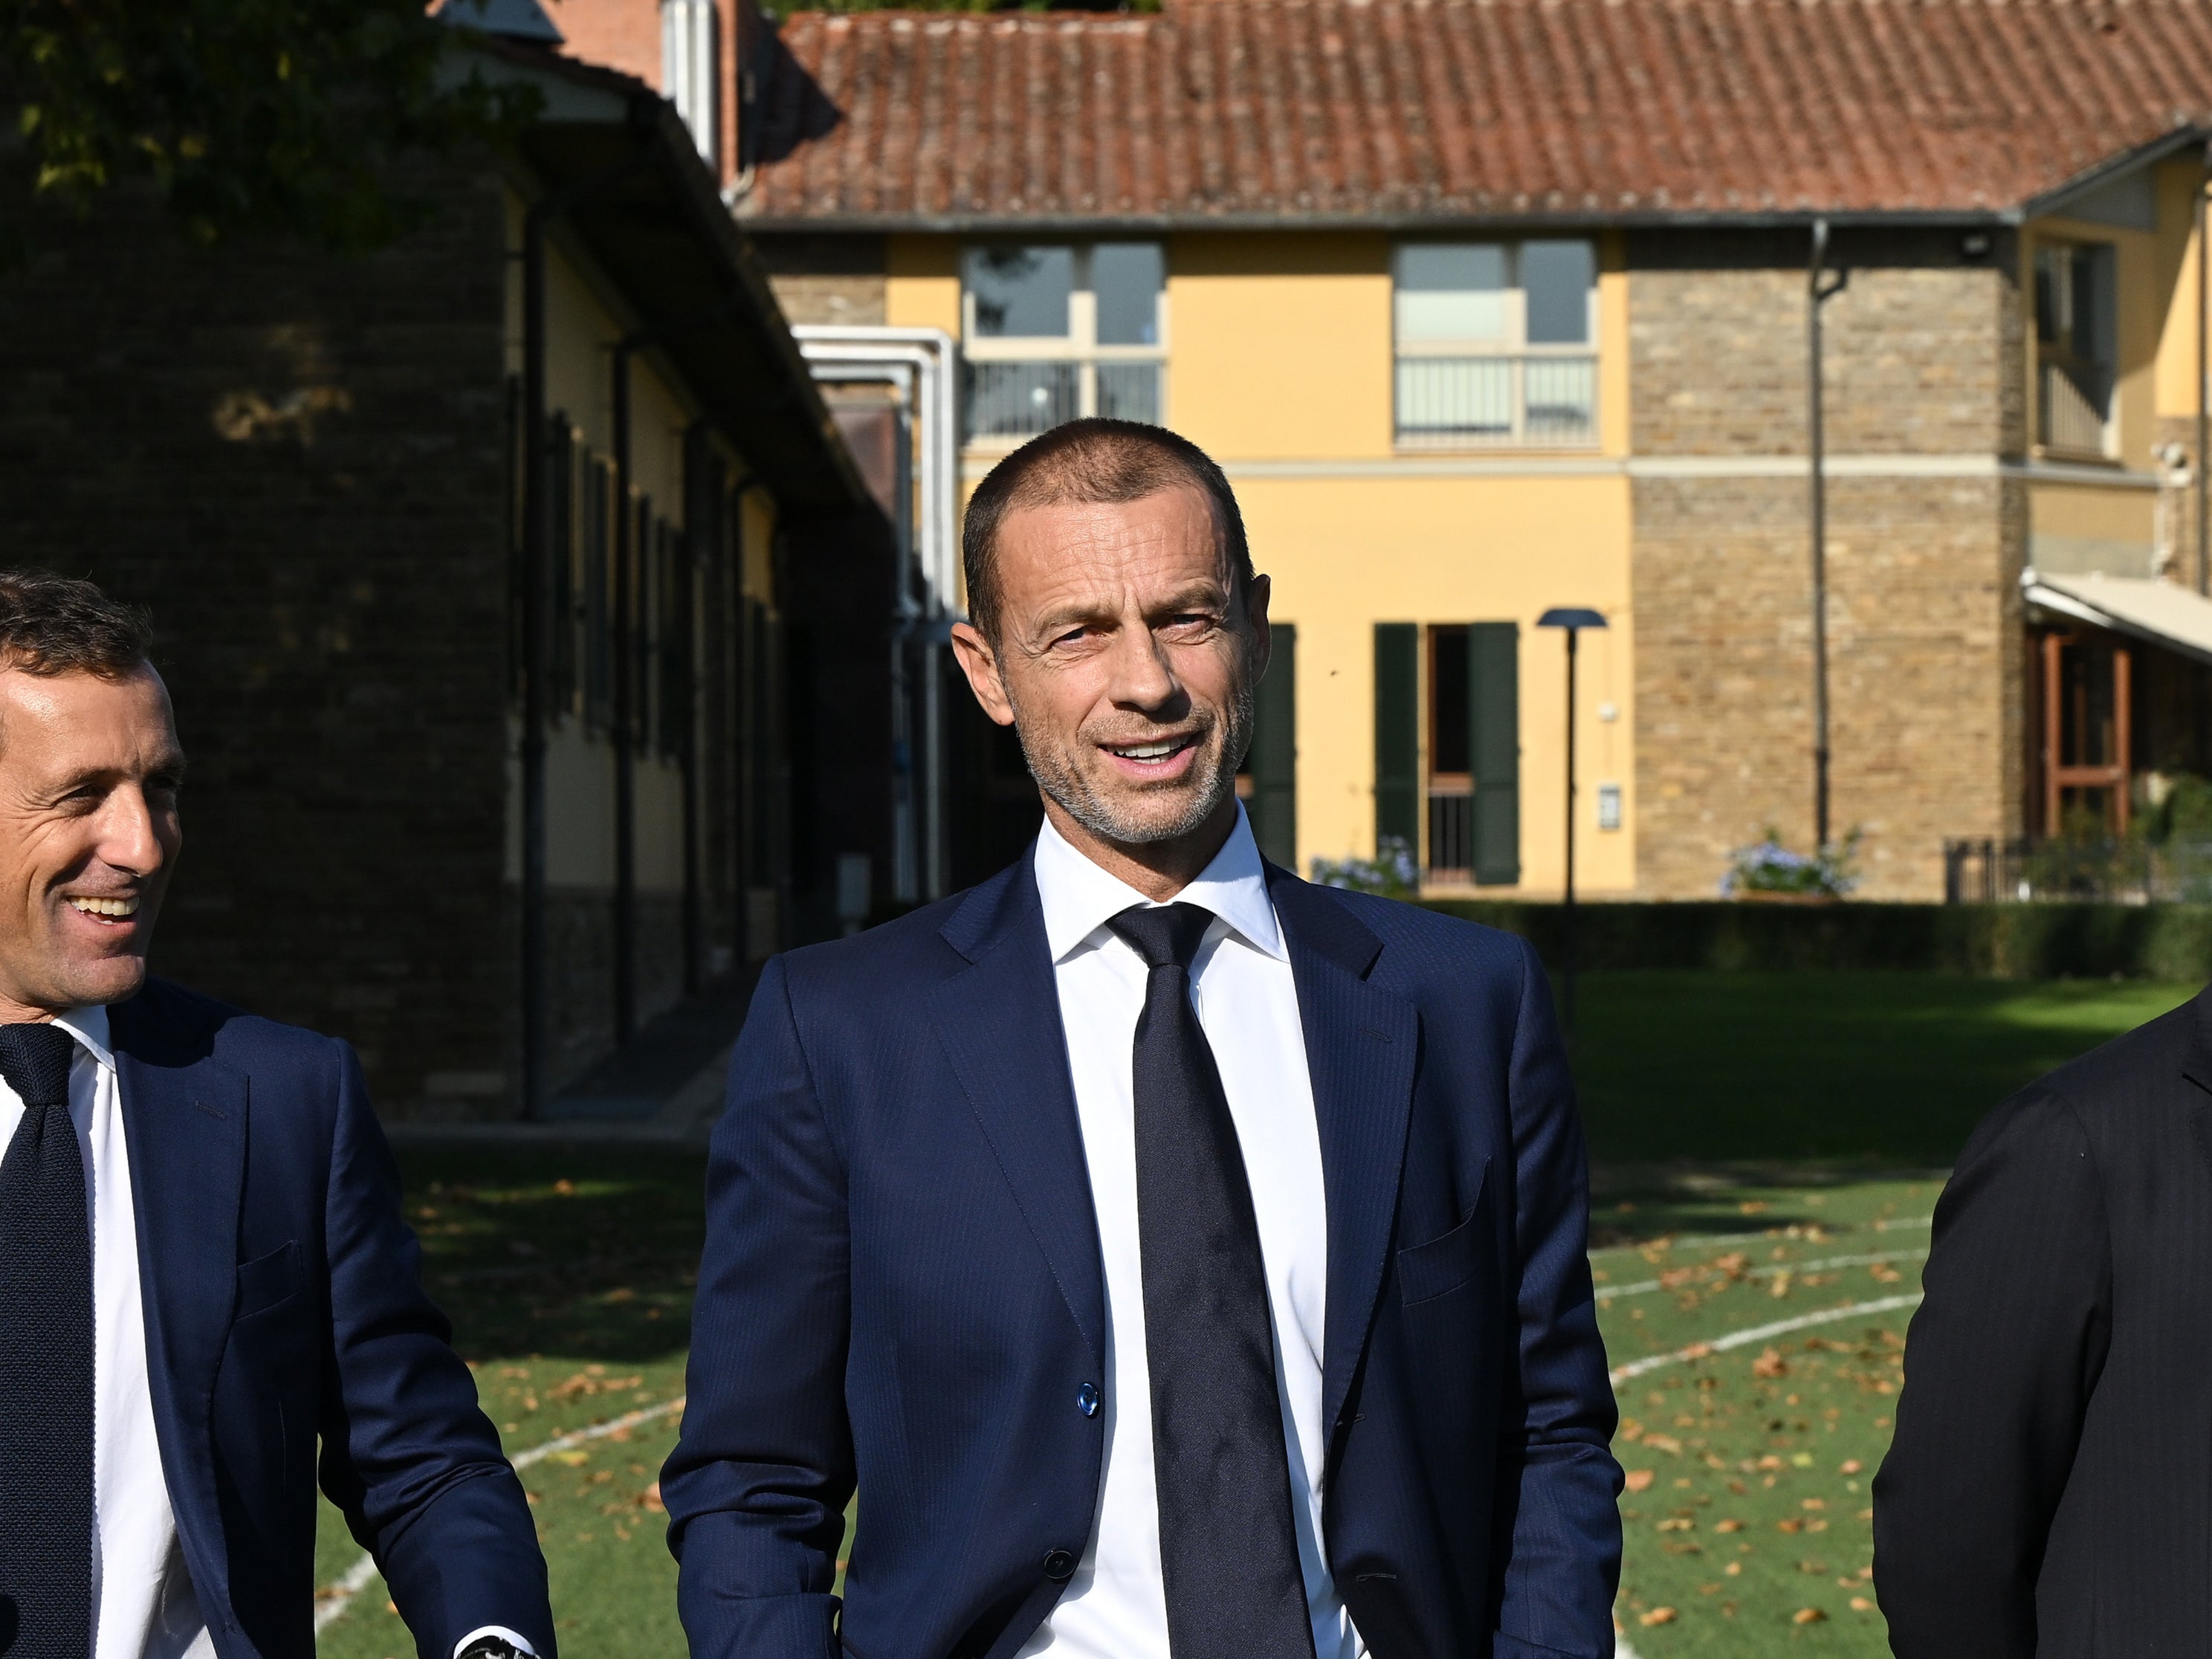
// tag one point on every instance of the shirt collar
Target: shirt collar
(88, 1025)
(1079, 898)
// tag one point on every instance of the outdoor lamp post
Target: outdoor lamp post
(1573, 619)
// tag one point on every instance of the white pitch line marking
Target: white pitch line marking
(1760, 1333)
(339, 1594)
(1646, 1286)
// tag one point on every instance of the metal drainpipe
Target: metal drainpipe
(537, 553)
(693, 931)
(624, 713)
(2203, 374)
(1816, 446)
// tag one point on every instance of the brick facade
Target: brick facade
(298, 463)
(1924, 617)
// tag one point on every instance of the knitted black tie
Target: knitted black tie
(1228, 1551)
(45, 1360)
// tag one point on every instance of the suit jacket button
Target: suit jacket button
(1059, 1566)
(1086, 1400)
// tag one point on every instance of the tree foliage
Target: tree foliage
(296, 115)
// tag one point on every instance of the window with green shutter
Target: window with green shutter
(1493, 682)
(1271, 768)
(1397, 734)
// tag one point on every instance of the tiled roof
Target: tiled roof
(1399, 111)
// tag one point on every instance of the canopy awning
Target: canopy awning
(2177, 618)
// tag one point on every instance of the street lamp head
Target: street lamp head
(1571, 617)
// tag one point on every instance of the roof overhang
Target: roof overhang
(2141, 607)
(647, 212)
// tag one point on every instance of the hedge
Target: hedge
(2170, 942)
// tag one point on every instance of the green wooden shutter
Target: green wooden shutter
(1398, 734)
(1273, 763)
(1493, 682)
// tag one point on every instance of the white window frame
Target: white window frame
(1079, 345)
(1511, 345)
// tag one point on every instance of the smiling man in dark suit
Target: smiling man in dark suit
(202, 1267)
(1184, 1260)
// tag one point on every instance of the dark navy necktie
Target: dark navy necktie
(1228, 1550)
(45, 1360)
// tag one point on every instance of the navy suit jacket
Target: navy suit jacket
(284, 1302)
(902, 1288)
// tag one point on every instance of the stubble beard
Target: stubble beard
(1060, 777)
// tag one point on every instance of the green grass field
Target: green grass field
(1748, 1130)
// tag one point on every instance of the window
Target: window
(1053, 333)
(1495, 345)
(1458, 687)
(2076, 346)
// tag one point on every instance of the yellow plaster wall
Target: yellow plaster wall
(2086, 510)
(1279, 346)
(2176, 371)
(922, 286)
(1347, 554)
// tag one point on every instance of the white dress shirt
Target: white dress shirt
(144, 1606)
(1115, 1605)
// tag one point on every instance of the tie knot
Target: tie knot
(35, 1061)
(1163, 934)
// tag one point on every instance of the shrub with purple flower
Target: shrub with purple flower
(1768, 866)
(1392, 872)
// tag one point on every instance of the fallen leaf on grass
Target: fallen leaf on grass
(1656, 1616)
(1780, 1287)
(1851, 1466)
(1809, 1616)
(1769, 1364)
(1677, 1524)
(1639, 1480)
(1793, 1524)
(575, 1459)
(1860, 1604)
(1730, 1525)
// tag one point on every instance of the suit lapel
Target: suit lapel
(999, 1020)
(1362, 1045)
(184, 1124)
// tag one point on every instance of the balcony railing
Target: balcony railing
(1451, 828)
(2073, 404)
(1503, 403)
(1020, 399)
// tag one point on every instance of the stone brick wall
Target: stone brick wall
(299, 463)
(827, 279)
(1924, 624)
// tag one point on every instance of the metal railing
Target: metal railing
(1459, 403)
(1451, 831)
(1991, 871)
(1020, 399)
(2073, 404)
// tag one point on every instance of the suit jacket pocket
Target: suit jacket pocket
(269, 1280)
(1442, 1265)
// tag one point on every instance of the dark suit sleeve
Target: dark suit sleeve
(1560, 1544)
(756, 1487)
(408, 1457)
(1999, 1365)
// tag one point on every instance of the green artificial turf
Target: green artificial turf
(1742, 1125)
(1888, 1069)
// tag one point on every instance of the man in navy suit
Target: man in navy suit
(1181, 1260)
(202, 1267)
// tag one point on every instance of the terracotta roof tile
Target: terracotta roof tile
(1391, 111)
